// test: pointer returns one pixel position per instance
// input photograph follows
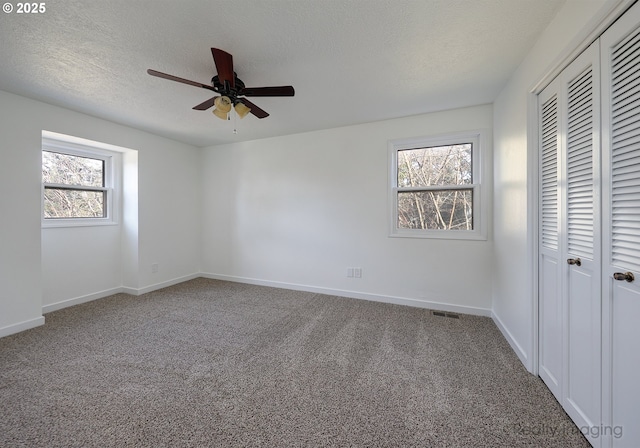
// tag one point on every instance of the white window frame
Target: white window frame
(112, 180)
(478, 141)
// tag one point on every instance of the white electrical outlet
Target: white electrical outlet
(350, 272)
(155, 267)
(357, 272)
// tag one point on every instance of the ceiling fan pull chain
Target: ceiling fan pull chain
(235, 122)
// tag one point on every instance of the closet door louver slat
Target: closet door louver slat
(625, 154)
(580, 166)
(549, 172)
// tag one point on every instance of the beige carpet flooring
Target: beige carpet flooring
(215, 364)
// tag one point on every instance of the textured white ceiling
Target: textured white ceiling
(350, 61)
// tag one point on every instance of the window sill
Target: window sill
(440, 235)
(62, 222)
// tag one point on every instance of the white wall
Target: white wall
(79, 263)
(296, 211)
(20, 175)
(168, 216)
(513, 296)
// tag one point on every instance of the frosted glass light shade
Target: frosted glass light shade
(222, 107)
(242, 110)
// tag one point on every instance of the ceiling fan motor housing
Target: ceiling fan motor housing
(226, 90)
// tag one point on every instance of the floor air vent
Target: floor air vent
(443, 314)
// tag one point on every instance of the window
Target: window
(77, 184)
(435, 187)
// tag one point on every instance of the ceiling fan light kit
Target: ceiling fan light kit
(231, 89)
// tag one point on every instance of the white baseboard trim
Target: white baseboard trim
(517, 348)
(109, 292)
(82, 299)
(156, 286)
(354, 295)
(21, 326)
(130, 291)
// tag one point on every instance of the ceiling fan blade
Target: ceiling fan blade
(206, 105)
(255, 110)
(268, 91)
(224, 65)
(182, 80)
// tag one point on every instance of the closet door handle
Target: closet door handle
(575, 261)
(628, 276)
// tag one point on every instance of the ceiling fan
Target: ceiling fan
(231, 89)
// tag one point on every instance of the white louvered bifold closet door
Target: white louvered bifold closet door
(550, 294)
(620, 59)
(569, 267)
(589, 236)
(581, 251)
